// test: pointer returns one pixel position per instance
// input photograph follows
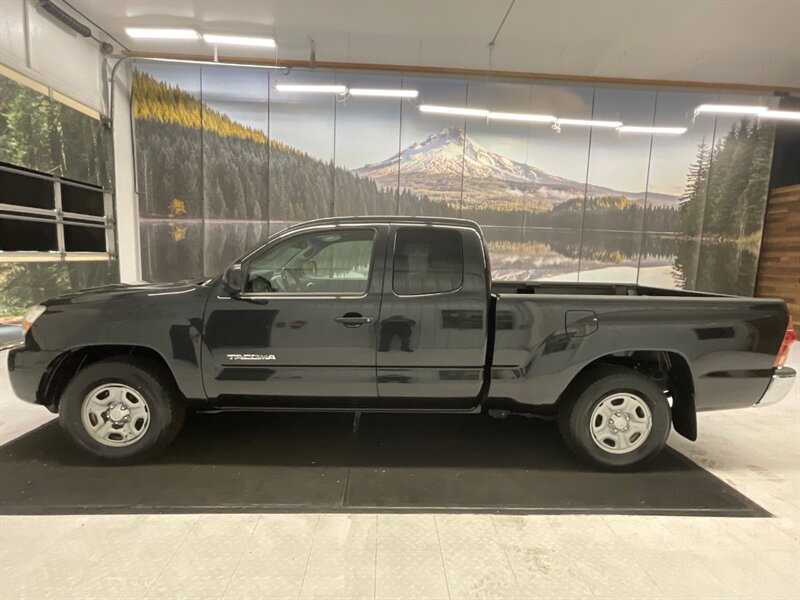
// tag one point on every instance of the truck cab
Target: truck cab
(353, 313)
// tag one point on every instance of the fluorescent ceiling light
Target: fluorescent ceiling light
(528, 118)
(454, 110)
(730, 108)
(642, 129)
(384, 93)
(312, 89)
(143, 33)
(217, 63)
(239, 40)
(791, 115)
(590, 123)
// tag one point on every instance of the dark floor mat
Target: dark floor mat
(262, 462)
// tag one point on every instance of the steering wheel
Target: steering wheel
(261, 284)
(288, 280)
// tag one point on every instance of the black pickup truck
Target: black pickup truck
(397, 314)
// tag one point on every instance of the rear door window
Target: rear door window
(427, 260)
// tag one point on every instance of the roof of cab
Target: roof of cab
(389, 219)
(372, 219)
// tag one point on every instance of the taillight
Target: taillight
(786, 345)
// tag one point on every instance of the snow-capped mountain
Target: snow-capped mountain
(434, 167)
(449, 152)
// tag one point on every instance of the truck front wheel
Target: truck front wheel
(121, 410)
(615, 418)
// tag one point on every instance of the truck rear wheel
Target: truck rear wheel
(616, 418)
(121, 410)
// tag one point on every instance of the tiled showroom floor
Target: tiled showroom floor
(434, 556)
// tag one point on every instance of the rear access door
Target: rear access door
(432, 331)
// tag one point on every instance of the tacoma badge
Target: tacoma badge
(251, 357)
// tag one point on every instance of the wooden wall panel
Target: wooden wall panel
(779, 264)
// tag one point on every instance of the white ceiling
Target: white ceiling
(731, 41)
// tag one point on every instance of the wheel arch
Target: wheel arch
(666, 367)
(66, 365)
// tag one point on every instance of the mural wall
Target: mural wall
(224, 159)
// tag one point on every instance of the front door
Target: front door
(302, 334)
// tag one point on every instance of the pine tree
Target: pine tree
(759, 170)
(693, 197)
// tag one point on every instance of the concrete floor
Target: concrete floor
(10, 334)
(434, 556)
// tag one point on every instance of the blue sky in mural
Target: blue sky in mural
(539, 145)
(619, 160)
(303, 121)
(242, 94)
(186, 77)
(368, 129)
(672, 155)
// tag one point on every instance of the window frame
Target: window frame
(58, 217)
(247, 262)
(458, 230)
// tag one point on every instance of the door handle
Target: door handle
(353, 320)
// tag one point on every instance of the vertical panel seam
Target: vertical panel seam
(586, 188)
(646, 192)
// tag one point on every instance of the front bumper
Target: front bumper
(779, 386)
(25, 371)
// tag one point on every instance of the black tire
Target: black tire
(575, 413)
(148, 378)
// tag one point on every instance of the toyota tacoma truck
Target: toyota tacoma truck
(397, 314)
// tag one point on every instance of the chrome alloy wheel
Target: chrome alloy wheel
(115, 415)
(620, 423)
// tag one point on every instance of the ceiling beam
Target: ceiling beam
(549, 77)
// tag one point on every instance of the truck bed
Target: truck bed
(547, 332)
(592, 289)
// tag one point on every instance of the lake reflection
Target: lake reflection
(659, 259)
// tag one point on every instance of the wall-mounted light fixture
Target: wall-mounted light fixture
(790, 115)
(653, 130)
(382, 93)
(212, 63)
(454, 110)
(589, 123)
(737, 109)
(523, 117)
(311, 89)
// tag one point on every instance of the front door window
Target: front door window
(330, 262)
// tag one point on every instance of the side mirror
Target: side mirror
(233, 279)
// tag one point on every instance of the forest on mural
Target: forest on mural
(210, 186)
(724, 202)
(728, 200)
(39, 133)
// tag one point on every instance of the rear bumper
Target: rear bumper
(782, 381)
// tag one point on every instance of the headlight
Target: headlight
(33, 313)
